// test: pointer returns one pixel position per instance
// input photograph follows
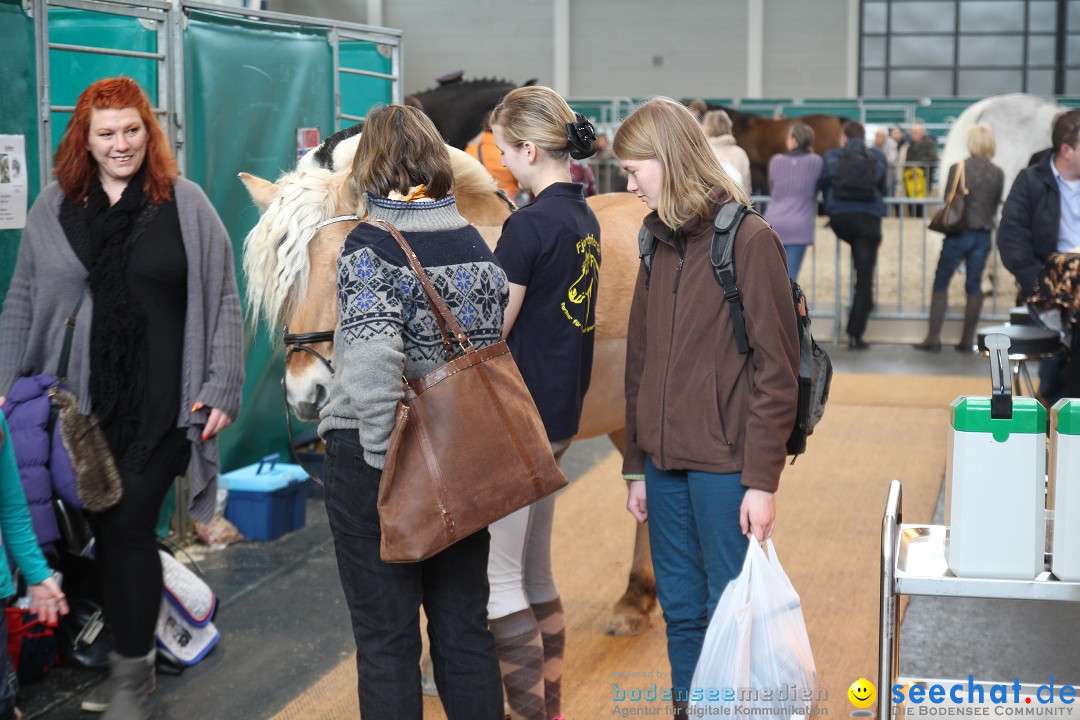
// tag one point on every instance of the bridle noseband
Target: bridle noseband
(298, 342)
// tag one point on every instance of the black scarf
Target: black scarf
(118, 338)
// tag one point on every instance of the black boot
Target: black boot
(854, 342)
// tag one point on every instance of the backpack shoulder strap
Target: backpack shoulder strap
(722, 254)
(646, 248)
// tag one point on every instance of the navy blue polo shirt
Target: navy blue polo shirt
(552, 247)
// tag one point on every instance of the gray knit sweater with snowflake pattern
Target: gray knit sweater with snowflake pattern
(386, 329)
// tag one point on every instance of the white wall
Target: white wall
(806, 49)
(636, 48)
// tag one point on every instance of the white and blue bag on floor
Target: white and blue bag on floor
(184, 627)
(756, 653)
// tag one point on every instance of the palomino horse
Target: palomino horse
(290, 258)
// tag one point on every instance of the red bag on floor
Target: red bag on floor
(31, 645)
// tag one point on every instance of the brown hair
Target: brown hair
(1066, 130)
(663, 129)
(854, 130)
(401, 148)
(74, 166)
(804, 135)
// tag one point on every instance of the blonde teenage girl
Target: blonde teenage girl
(550, 250)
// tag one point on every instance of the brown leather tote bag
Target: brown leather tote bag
(468, 446)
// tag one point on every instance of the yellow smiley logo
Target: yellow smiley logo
(862, 693)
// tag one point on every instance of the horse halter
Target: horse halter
(298, 342)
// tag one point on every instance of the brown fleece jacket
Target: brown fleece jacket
(692, 401)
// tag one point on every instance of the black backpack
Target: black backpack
(856, 176)
(815, 367)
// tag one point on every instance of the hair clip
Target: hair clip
(582, 137)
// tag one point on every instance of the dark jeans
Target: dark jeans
(384, 600)
(970, 246)
(862, 231)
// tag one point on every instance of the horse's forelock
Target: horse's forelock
(276, 250)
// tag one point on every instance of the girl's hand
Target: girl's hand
(757, 516)
(48, 601)
(635, 501)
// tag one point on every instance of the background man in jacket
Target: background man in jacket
(853, 180)
(1041, 218)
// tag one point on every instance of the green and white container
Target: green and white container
(994, 478)
(1063, 499)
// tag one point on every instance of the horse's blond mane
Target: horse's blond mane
(276, 250)
(276, 259)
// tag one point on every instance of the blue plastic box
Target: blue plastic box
(267, 499)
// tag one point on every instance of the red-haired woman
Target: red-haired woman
(157, 343)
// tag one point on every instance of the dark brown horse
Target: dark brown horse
(762, 137)
(458, 107)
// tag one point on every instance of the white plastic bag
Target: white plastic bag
(757, 653)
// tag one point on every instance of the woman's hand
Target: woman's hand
(635, 501)
(757, 516)
(218, 421)
(48, 601)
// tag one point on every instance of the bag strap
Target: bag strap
(958, 178)
(722, 254)
(443, 317)
(69, 332)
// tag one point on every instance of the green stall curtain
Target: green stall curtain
(249, 86)
(360, 92)
(71, 72)
(18, 111)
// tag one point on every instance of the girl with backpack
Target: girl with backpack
(706, 425)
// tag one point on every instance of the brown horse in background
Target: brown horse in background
(762, 137)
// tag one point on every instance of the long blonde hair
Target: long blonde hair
(537, 114)
(664, 130)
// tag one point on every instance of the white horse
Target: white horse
(1021, 125)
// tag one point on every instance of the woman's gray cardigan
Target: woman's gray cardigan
(49, 279)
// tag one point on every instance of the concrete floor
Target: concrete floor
(284, 624)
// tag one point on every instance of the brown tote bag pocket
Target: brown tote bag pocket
(468, 446)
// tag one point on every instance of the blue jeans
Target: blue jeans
(969, 246)
(697, 549)
(384, 601)
(795, 255)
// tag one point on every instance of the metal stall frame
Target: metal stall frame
(159, 12)
(169, 18)
(338, 31)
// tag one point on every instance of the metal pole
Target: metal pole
(44, 114)
(889, 616)
(175, 62)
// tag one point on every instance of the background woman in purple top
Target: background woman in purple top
(793, 188)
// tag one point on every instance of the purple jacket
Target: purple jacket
(44, 467)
